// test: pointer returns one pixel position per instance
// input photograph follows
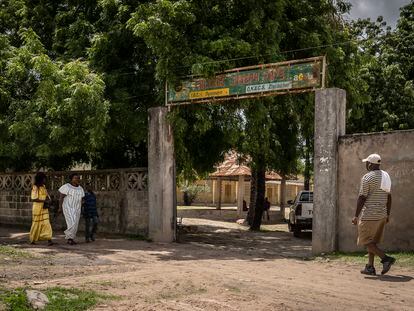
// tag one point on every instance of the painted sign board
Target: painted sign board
(248, 82)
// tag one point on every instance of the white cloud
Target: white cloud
(389, 9)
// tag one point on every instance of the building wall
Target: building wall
(122, 199)
(229, 192)
(397, 152)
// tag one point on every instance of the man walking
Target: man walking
(373, 210)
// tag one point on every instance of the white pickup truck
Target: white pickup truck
(301, 213)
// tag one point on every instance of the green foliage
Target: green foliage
(60, 299)
(388, 74)
(15, 300)
(186, 37)
(62, 63)
(127, 66)
(189, 36)
(203, 134)
(72, 35)
(404, 259)
(204, 37)
(191, 191)
(14, 253)
(50, 109)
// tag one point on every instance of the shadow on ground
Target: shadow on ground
(391, 278)
(204, 240)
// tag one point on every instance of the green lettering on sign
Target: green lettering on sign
(247, 82)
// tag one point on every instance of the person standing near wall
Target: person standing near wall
(70, 202)
(266, 208)
(41, 229)
(90, 213)
(373, 210)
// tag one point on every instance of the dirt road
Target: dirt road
(220, 267)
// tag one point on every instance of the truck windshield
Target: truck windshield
(306, 197)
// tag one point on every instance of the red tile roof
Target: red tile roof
(234, 165)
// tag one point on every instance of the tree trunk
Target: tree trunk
(260, 196)
(253, 195)
(240, 195)
(283, 195)
(218, 205)
(186, 197)
(307, 164)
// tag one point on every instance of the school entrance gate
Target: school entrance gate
(330, 115)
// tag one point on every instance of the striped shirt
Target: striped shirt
(375, 207)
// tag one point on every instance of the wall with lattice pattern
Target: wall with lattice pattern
(122, 198)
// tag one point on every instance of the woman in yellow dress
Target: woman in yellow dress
(41, 229)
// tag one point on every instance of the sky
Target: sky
(389, 9)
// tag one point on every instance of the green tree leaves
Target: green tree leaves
(49, 109)
(62, 63)
(387, 72)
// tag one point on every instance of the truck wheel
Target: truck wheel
(296, 232)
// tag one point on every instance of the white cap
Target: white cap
(373, 158)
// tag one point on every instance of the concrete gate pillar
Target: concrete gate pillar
(330, 115)
(161, 177)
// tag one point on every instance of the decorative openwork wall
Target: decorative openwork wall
(10, 182)
(100, 180)
(122, 198)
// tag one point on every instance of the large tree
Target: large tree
(122, 52)
(203, 37)
(52, 113)
(94, 33)
(388, 74)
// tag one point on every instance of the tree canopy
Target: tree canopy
(387, 74)
(50, 110)
(77, 78)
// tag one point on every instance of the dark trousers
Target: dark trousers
(266, 212)
(91, 225)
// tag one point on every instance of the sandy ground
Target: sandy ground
(219, 266)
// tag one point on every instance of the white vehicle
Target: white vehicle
(301, 213)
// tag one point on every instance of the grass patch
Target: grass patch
(60, 299)
(14, 300)
(404, 259)
(14, 253)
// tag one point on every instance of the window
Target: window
(306, 197)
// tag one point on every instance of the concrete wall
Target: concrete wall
(122, 199)
(397, 152)
(224, 214)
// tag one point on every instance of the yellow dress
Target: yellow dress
(41, 229)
